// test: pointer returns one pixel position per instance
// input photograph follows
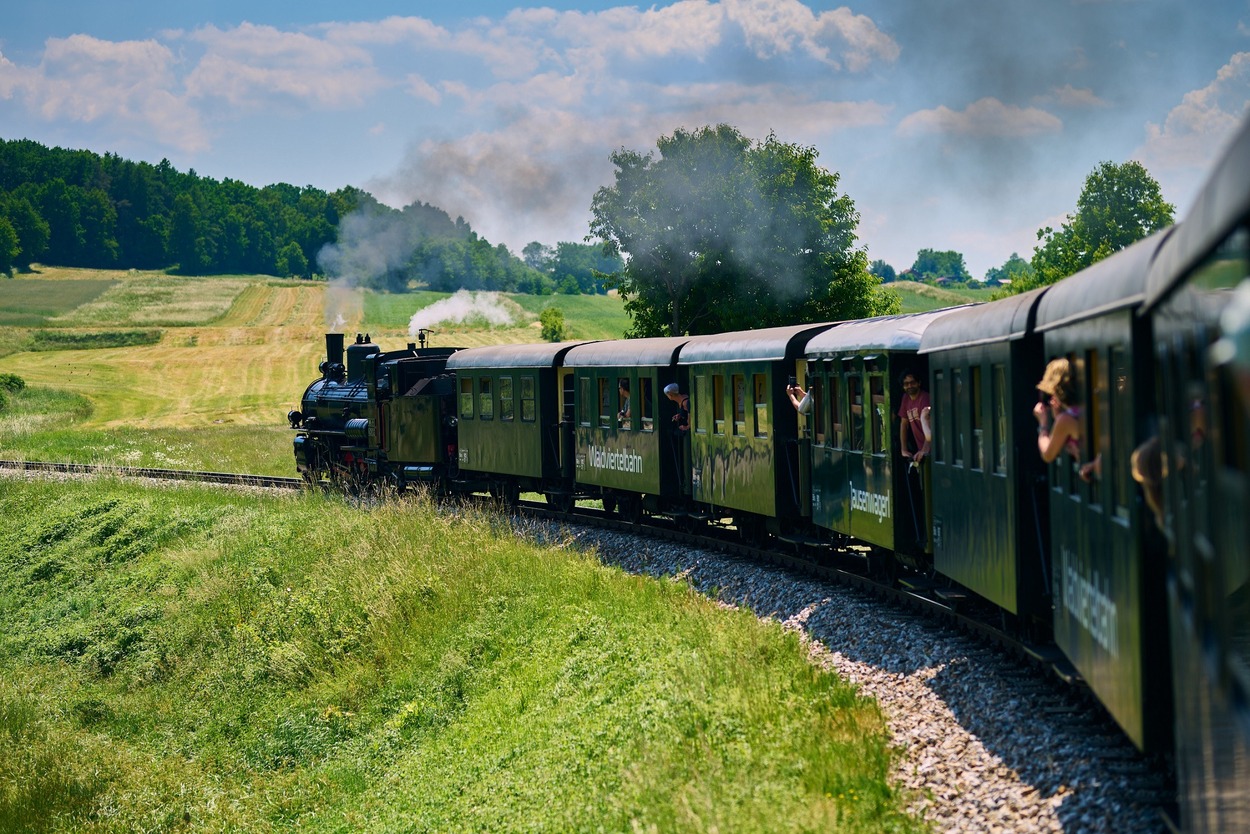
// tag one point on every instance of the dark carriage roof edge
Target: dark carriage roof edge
(1005, 320)
(891, 333)
(657, 351)
(766, 345)
(1221, 204)
(541, 355)
(1117, 282)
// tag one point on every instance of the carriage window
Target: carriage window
(584, 401)
(698, 405)
(957, 426)
(1116, 470)
(999, 396)
(646, 404)
(485, 402)
(880, 436)
(976, 420)
(623, 404)
(855, 399)
(838, 437)
(466, 398)
(718, 404)
(605, 403)
(942, 405)
(816, 388)
(506, 404)
(740, 404)
(760, 392)
(1099, 413)
(527, 399)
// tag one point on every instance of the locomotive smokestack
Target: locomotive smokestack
(334, 348)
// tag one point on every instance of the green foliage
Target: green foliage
(552, 321)
(78, 340)
(197, 657)
(722, 234)
(94, 211)
(1119, 205)
(882, 270)
(1016, 269)
(930, 265)
(9, 248)
(11, 382)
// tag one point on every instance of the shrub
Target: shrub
(11, 382)
(552, 321)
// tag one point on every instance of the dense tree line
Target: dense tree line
(78, 208)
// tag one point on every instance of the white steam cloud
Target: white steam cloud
(464, 306)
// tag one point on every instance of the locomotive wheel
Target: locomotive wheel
(609, 503)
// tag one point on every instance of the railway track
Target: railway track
(157, 474)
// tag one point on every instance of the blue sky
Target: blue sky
(954, 124)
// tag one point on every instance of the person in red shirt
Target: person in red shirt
(911, 433)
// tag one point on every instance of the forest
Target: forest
(79, 208)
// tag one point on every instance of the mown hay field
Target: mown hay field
(222, 359)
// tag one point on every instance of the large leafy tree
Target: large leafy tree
(1119, 205)
(719, 233)
(931, 265)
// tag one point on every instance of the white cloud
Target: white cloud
(128, 85)
(1069, 96)
(249, 65)
(986, 117)
(837, 37)
(1206, 118)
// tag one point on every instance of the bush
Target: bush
(552, 321)
(11, 382)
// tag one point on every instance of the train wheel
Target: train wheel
(561, 502)
(609, 503)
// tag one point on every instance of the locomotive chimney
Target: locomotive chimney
(334, 348)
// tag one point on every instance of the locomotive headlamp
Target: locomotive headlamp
(294, 418)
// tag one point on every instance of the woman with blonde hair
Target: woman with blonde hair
(1059, 419)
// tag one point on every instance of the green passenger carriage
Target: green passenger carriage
(986, 445)
(855, 464)
(627, 448)
(744, 454)
(509, 420)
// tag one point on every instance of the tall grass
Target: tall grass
(187, 658)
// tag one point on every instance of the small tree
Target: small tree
(552, 321)
(1120, 205)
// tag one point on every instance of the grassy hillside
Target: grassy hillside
(181, 372)
(921, 298)
(189, 659)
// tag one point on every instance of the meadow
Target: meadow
(922, 298)
(186, 658)
(199, 373)
(196, 659)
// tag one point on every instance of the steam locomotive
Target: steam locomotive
(1140, 574)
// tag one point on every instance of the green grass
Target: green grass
(30, 302)
(921, 298)
(159, 301)
(47, 424)
(206, 660)
(77, 340)
(587, 316)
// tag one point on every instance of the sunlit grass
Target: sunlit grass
(921, 298)
(225, 662)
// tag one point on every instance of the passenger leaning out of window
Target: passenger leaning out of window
(1058, 415)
